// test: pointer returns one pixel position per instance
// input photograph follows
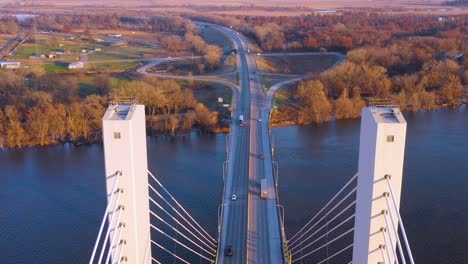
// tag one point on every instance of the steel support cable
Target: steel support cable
(120, 253)
(179, 214)
(324, 208)
(114, 187)
(181, 207)
(386, 244)
(336, 254)
(109, 227)
(178, 222)
(178, 232)
(383, 254)
(174, 255)
(114, 236)
(390, 238)
(178, 242)
(405, 239)
(119, 242)
(331, 230)
(329, 242)
(395, 230)
(323, 217)
(155, 260)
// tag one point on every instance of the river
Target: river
(53, 198)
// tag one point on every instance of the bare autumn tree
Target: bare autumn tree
(189, 120)
(38, 124)
(452, 89)
(204, 117)
(213, 55)
(173, 43)
(317, 107)
(173, 123)
(343, 106)
(196, 42)
(15, 133)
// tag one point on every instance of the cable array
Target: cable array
(328, 233)
(179, 235)
(394, 249)
(113, 232)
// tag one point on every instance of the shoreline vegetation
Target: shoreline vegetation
(417, 61)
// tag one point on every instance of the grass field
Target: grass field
(287, 111)
(208, 93)
(111, 66)
(215, 37)
(56, 67)
(296, 64)
(130, 51)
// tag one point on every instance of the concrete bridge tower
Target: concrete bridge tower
(124, 135)
(381, 154)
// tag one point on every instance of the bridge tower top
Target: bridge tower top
(124, 135)
(381, 154)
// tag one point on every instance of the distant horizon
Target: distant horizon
(343, 3)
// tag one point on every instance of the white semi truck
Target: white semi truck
(241, 120)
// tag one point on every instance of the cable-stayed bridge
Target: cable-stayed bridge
(144, 222)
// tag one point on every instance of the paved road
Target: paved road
(250, 224)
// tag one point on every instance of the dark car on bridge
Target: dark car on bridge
(229, 251)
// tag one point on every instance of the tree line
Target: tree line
(49, 109)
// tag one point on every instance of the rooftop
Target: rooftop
(118, 111)
(387, 114)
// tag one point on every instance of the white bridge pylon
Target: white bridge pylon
(132, 215)
(128, 217)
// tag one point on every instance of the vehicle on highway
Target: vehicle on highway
(233, 197)
(248, 50)
(259, 120)
(229, 251)
(260, 156)
(241, 120)
(259, 54)
(263, 189)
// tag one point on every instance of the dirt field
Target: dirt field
(228, 7)
(208, 94)
(296, 64)
(185, 66)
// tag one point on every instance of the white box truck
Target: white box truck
(263, 188)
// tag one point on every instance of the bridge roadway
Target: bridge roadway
(250, 224)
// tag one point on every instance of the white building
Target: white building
(76, 65)
(124, 135)
(381, 154)
(10, 65)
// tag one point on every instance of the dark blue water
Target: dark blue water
(316, 161)
(52, 199)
